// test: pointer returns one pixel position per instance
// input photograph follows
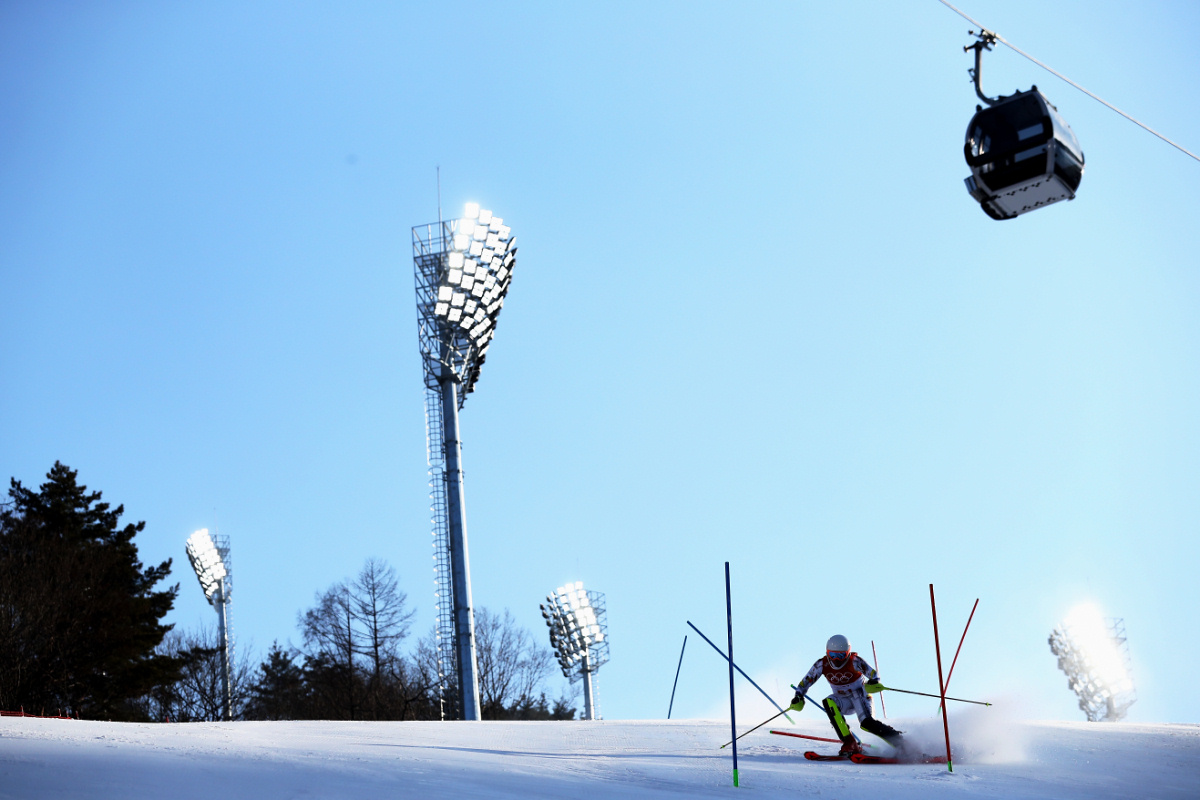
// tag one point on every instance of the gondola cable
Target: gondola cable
(997, 37)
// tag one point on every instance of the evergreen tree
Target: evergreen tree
(279, 691)
(79, 614)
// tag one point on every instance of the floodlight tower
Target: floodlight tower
(463, 268)
(578, 622)
(1094, 654)
(210, 559)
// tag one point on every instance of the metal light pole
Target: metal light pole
(462, 268)
(226, 686)
(460, 562)
(211, 562)
(589, 708)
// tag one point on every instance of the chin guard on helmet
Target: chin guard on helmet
(837, 650)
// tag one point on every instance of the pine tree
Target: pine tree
(279, 692)
(79, 614)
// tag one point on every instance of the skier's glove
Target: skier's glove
(874, 686)
(797, 703)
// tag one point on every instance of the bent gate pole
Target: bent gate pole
(741, 672)
(672, 705)
(960, 644)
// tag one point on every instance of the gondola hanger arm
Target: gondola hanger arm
(986, 40)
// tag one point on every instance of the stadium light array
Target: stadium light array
(211, 562)
(463, 269)
(469, 291)
(1094, 654)
(578, 625)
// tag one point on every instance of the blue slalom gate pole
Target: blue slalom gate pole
(672, 705)
(743, 674)
(732, 709)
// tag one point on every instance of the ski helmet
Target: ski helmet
(837, 650)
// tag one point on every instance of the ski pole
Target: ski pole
(744, 675)
(785, 733)
(938, 696)
(875, 656)
(810, 700)
(752, 730)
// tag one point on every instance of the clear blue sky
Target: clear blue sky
(756, 318)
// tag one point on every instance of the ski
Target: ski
(811, 756)
(863, 758)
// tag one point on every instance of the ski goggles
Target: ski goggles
(837, 655)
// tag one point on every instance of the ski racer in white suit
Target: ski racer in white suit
(845, 671)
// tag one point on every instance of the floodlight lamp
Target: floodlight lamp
(471, 211)
(455, 260)
(485, 216)
(207, 562)
(467, 228)
(476, 249)
(461, 242)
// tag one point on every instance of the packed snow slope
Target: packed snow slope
(646, 759)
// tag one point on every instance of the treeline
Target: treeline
(81, 633)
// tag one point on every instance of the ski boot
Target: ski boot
(850, 747)
(882, 730)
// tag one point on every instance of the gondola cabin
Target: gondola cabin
(1022, 155)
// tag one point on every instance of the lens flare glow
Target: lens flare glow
(1092, 651)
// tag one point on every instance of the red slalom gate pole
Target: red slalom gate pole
(875, 656)
(942, 684)
(960, 644)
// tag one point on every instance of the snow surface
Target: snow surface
(588, 760)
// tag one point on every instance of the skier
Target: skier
(845, 670)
